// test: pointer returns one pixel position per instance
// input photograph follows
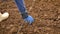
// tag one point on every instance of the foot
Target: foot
(29, 19)
(4, 16)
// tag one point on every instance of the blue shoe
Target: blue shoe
(29, 19)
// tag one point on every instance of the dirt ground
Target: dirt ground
(45, 12)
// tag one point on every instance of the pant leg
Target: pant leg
(22, 8)
(20, 5)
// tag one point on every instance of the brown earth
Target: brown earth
(45, 12)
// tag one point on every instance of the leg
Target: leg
(22, 9)
(20, 5)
